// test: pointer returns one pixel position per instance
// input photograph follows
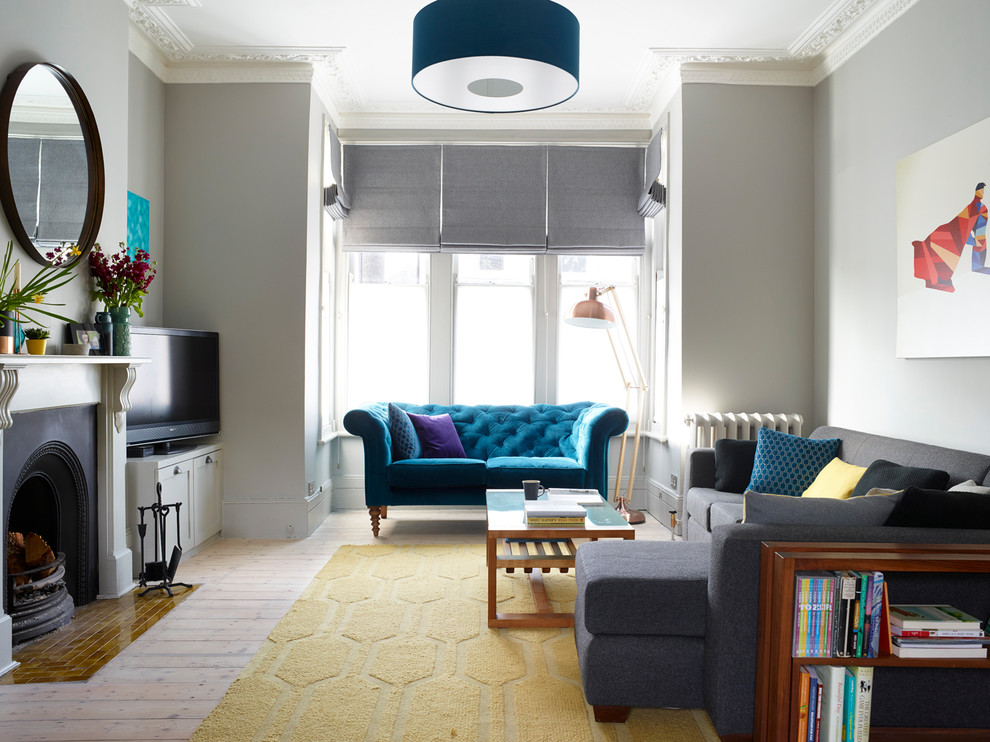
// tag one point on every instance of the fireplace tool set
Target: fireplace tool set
(158, 570)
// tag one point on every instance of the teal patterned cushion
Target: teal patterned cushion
(787, 464)
(405, 442)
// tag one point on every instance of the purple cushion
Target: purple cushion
(437, 437)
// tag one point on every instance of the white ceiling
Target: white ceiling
(633, 52)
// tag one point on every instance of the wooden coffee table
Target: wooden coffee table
(511, 544)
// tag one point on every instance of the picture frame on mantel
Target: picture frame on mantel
(943, 265)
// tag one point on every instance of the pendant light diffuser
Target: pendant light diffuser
(495, 56)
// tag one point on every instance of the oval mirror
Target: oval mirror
(51, 161)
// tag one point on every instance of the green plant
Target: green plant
(121, 281)
(28, 300)
(37, 333)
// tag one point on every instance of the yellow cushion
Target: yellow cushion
(836, 480)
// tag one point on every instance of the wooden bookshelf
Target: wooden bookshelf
(777, 671)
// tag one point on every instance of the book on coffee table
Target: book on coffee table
(549, 512)
(575, 496)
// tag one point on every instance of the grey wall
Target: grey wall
(238, 191)
(747, 252)
(89, 39)
(925, 77)
(146, 170)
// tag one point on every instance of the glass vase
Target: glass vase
(121, 330)
(104, 324)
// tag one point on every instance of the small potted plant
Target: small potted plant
(37, 339)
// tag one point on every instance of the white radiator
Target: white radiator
(708, 427)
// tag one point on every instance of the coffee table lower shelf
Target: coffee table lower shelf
(536, 557)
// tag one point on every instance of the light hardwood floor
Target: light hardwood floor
(164, 684)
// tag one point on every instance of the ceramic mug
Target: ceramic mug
(531, 488)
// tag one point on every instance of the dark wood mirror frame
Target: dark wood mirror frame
(94, 158)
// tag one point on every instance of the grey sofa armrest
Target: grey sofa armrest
(700, 468)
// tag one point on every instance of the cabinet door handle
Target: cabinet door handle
(209, 459)
(177, 470)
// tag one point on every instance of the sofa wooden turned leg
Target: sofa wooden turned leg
(612, 714)
(384, 509)
(375, 514)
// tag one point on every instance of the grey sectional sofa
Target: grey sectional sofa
(661, 624)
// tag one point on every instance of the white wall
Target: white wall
(925, 77)
(239, 230)
(89, 39)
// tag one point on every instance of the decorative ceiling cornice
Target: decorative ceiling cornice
(846, 27)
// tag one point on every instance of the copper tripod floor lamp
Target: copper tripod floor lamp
(592, 313)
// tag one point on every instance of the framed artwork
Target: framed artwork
(138, 223)
(943, 271)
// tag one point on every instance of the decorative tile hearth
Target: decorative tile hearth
(98, 632)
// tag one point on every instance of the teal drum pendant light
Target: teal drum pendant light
(495, 56)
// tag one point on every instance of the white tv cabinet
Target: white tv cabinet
(194, 478)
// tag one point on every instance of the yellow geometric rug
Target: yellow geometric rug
(392, 643)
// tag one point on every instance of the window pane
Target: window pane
(587, 369)
(387, 329)
(493, 330)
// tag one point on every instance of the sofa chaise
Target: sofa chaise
(674, 624)
(560, 445)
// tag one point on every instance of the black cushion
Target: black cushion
(926, 508)
(888, 475)
(733, 464)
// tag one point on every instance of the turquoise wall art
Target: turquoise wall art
(138, 227)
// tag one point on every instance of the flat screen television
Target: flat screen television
(175, 397)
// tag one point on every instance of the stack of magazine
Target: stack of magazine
(939, 631)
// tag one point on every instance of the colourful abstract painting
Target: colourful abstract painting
(138, 223)
(943, 279)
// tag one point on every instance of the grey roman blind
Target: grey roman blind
(494, 199)
(395, 198)
(654, 196)
(335, 200)
(64, 189)
(593, 196)
(24, 161)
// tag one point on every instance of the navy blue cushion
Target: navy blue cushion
(405, 442)
(508, 472)
(888, 475)
(436, 473)
(733, 464)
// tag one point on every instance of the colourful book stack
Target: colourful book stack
(814, 612)
(936, 631)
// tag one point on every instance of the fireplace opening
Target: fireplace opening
(51, 564)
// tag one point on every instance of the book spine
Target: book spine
(804, 689)
(833, 677)
(828, 605)
(541, 521)
(877, 602)
(847, 597)
(801, 608)
(864, 698)
(863, 593)
(818, 710)
(814, 617)
(813, 691)
(958, 633)
(836, 614)
(849, 707)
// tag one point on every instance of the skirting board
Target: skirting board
(276, 518)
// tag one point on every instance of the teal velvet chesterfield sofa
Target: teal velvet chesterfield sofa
(561, 445)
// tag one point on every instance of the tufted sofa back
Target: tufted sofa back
(488, 431)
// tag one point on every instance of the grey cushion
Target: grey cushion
(643, 587)
(868, 510)
(699, 501)
(723, 513)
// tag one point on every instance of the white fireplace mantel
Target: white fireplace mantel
(42, 382)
